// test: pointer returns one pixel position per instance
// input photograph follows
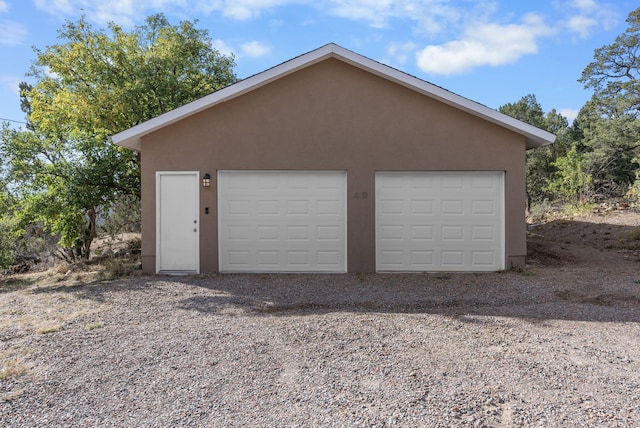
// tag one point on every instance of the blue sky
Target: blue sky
(491, 51)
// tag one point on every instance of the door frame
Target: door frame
(196, 175)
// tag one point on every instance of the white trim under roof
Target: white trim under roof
(535, 137)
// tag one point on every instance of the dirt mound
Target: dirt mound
(589, 239)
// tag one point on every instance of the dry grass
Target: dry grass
(632, 238)
(11, 365)
(42, 303)
(42, 309)
(46, 301)
(95, 325)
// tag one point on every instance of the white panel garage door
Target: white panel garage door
(440, 221)
(282, 221)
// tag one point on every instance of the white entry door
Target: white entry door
(177, 222)
(440, 221)
(282, 221)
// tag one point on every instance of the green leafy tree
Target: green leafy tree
(94, 84)
(612, 131)
(8, 227)
(571, 183)
(540, 162)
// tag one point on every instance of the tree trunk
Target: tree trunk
(91, 233)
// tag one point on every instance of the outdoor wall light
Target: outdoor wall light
(206, 180)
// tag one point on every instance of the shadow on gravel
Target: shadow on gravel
(561, 281)
(508, 294)
(576, 270)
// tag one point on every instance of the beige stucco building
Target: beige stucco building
(333, 162)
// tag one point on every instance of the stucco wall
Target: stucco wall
(333, 116)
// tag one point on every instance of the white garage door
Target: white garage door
(440, 221)
(282, 221)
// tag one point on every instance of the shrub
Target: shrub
(633, 194)
(7, 242)
(571, 183)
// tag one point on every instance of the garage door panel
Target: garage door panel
(451, 183)
(391, 206)
(300, 258)
(483, 258)
(421, 232)
(439, 221)
(452, 207)
(453, 233)
(238, 208)
(270, 207)
(241, 182)
(422, 258)
(453, 258)
(392, 257)
(292, 220)
(421, 207)
(486, 182)
(267, 233)
(421, 182)
(240, 233)
(483, 207)
(390, 232)
(297, 207)
(268, 257)
(237, 258)
(328, 258)
(328, 233)
(328, 208)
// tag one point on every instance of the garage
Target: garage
(282, 221)
(440, 221)
(334, 162)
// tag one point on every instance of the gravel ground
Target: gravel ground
(554, 344)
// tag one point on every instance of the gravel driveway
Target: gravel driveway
(554, 344)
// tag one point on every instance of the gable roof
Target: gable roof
(535, 137)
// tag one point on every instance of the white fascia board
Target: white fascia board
(535, 137)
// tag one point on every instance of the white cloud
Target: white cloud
(431, 16)
(12, 33)
(582, 25)
(247, 9)
(222, 47)
(255, 49)
(373, 11)
(569, 113)
(585, 5)
(400, 52)
(4, 6)
(252, 49)
(127, 12)
(586, 16)
(58, 7)
(241, 10)
(484, 44)
(123, 12)
(11, 83)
